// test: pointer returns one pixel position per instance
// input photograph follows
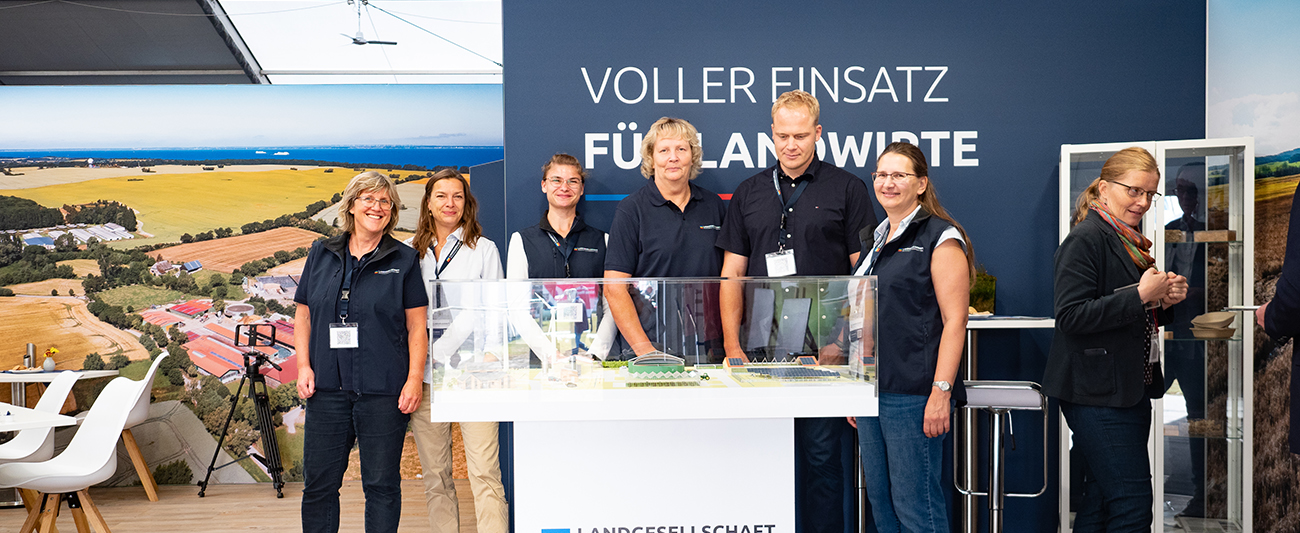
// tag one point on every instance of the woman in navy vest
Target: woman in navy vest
(359, 330)
(1103, 366)
(561, 245)
(924, 265)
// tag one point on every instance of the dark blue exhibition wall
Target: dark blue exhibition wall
(989, 91)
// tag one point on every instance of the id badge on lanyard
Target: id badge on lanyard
(344, 334)
(440, 318)
(781, 262)
(1154, 356)
(857, 319)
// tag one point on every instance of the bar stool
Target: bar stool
(999, 398)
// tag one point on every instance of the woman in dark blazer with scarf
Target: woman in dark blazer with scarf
(1104, 362)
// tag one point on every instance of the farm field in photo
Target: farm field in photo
(81, 267)
(63, 323)
(204, 279)
(169, 205)
(1272, 210)
(292, 268)
(226, 255)
(31, 177)
(43, 288)
(139, 297)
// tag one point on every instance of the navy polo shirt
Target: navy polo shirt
(387, 283)
(823, 226)
(651, 237)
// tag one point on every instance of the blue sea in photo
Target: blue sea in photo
(426, 156)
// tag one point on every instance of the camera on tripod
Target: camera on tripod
(253, 336)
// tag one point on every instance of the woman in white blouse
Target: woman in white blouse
(451, 245)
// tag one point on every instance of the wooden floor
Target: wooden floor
(242, 507)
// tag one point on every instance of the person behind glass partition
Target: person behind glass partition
(451, 246)
(801, 217)
(1104, 365)
(561, 245)
(359, 329)
(1185, 361)
(924, 264)
(667, 229)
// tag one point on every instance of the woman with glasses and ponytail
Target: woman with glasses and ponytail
(560, 246)
(1104, 362)
(924, 265)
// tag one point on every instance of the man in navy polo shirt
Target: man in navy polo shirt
(798, 217)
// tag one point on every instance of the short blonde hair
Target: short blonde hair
(670, 128)
(799, 99)
(368, 182)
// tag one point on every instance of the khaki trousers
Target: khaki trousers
(433, 441)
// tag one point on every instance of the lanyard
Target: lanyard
(566, 250)
(787, 206)
(875, 253)
(437, 274)
(345, 293)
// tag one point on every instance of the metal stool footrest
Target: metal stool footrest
(999, 398)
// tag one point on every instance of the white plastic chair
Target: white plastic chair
(38, 444)
(140, 413)
(89, 459)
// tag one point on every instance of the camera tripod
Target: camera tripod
(253, 361)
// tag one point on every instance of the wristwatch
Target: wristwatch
(943, 385)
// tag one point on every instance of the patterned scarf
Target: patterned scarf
(1138, 246)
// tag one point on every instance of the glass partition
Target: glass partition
(574, 333)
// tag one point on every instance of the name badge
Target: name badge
(1155, 347)
(568, 312)
(780, 263)
(440, 319)
(344, 335)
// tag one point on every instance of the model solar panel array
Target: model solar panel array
(793, 372)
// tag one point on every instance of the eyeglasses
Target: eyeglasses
(573, 182)
(891, 176)
(1135, 192)
(368, 201)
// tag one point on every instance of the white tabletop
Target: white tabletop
(14, 418)
(46, 377)
(1009, 322)
(723, 398)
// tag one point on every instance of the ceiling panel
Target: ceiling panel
(100, 42)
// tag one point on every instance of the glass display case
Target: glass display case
(1202, 227)
(553, 357)
(552, 349)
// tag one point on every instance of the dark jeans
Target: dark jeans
(903, 468)
(1116, 475)
(819, 492)
(335, 421)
